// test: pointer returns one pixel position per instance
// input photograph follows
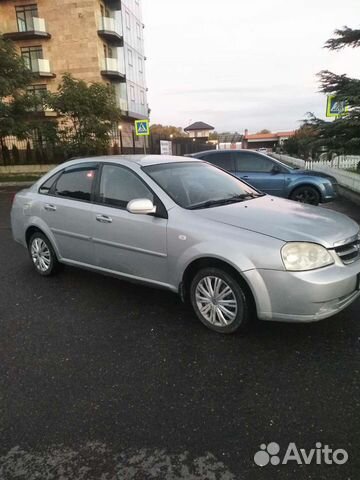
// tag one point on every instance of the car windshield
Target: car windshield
(194, 185)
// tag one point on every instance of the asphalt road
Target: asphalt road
(101, 379)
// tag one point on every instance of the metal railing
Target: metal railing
(40, 65)
(109, 24)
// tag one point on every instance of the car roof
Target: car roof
(228, 150)
(143, 160)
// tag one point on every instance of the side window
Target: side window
(251, 162)
(118, 186)
(76, 182)
(220, 159)
(46, 187)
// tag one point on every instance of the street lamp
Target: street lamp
(121, 139)
(171, 136)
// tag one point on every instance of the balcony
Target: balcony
(41, 68)
(34, 29)
(110, 32)
(112, 70)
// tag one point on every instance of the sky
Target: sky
(239, 64)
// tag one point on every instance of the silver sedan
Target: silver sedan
(190, 227)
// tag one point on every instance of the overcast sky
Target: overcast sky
(242, 64)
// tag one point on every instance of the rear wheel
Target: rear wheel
(42, 254)
(306, 194)
(219, 301)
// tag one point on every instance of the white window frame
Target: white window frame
(127, 20)
(130, 57)
(141, 65)
(132, 93)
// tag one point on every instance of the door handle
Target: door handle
(50, 208)
(245, 176)
(103, 219)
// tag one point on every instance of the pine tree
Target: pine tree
(341, 136)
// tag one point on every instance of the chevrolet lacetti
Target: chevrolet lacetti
(190, 227)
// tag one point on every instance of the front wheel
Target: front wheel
(306, 194)
(219, 301)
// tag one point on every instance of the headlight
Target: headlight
(300, 256)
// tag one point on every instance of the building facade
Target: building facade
(199, 130)
(94, 40)
(270, 141)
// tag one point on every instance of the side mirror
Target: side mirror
(276, 169)
(141, 206)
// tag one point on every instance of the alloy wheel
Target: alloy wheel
(216, 301)
(40, 254)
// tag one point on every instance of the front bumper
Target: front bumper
(304, 296)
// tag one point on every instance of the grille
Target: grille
(350, 252)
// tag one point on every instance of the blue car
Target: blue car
(273, 177)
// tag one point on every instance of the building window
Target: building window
(130, 57)
(142, 96)
(24, 16)
(31, 56)
(141, 68)
(108, 52)
(37, 91)
(127, 20)
(138, 30)
(132, 93)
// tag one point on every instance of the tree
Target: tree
(14, 78)
(165, 131)
(301, 144)
(264, 130)
(14, 75)
(87, 115)
(341, 136)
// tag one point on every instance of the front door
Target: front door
(258, 171)
(131, 244)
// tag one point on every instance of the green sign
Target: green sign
(142, 128)
(335, 107)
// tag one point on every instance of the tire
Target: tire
(306, 194)
(235, 317)
(42, 255)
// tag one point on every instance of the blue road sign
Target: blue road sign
(142, 128)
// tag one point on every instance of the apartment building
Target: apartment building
(94, 40)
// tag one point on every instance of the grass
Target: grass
(353, 170)
(15, 177)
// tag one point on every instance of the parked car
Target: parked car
(192, 228)
(274, 177)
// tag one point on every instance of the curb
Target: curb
(349, 195)
(16, 184)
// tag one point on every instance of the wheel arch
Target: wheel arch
(213, 262)
(305, 184)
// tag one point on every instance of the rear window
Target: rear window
(76, 183)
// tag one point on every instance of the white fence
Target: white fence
(345, 162)
(349, 180)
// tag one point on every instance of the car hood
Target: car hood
(285, 220)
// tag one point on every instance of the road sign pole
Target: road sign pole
(144, 145)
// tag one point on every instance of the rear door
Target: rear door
(220, 158)
(131, 244)
(258, 170)
(67, 210)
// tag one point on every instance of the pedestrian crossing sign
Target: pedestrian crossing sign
(142, 128)
(335, 107)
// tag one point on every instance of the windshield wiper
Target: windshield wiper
(225, 201)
